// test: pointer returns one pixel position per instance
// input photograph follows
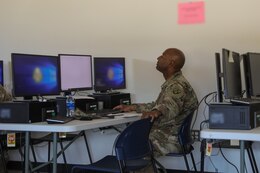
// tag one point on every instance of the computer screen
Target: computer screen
(109, 73)
(75, 72)
(231, 74)
(35, 75)
(1, 73)
(251, 63)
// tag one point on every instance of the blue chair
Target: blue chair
(132, 151)
(185, 139)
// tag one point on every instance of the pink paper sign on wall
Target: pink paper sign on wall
(191, 12)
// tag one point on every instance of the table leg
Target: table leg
(26, 159)
(88, 150)
(202, 154)
(54, 152)
(242, 156)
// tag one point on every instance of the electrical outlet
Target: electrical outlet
(195, 135)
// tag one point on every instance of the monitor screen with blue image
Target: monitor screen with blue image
(109, 73)
(35, 75)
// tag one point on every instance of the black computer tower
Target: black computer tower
(112, 100)
(229, 116)
(26, 111)
(86, 104)
(61, 106)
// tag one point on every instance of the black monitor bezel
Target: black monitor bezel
(251, 89)
(2, 75)
(231, 75)
(16, 94)
(107, 89)
(79, 88)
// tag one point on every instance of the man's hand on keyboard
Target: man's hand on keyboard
(125, 108)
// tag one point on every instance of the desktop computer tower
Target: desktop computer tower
(61, 106)
(112, 100)
(86, 104)
(26, 111)
(229, 116)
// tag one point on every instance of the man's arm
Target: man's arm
(141, 107)
(151, 114)
(126, 108)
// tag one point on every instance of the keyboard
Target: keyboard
(106, 93)
(59, 119)
(245, 101)
(104, 112)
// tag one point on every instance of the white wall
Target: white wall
(138, 30)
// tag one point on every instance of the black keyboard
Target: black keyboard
(104, 112)
(245, 100)
(106, 93)
(59, 120)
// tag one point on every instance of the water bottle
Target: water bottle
(70, 103)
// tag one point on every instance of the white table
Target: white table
(241, 135)
(72, 126)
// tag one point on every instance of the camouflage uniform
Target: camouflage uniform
(176, 100)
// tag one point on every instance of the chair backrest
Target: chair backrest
(133, 142)
(184, 135)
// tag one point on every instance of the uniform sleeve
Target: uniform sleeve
(144, 107)
(172, 100)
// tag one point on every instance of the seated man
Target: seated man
(175, 102)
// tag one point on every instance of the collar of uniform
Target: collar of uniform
(172, 77)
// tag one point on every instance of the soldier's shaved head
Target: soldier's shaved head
(178, 56)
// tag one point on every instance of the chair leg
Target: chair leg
(252, 160)
(159, 165)
(185, 158)
(154, 166)
(186, 162)
(120, 167)
(193, 162)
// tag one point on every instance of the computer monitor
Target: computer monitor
(109, 73)
(219, 76)
(231, 74)
(75, 72)
(35, 75)
(251, 62)
(1, 72)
